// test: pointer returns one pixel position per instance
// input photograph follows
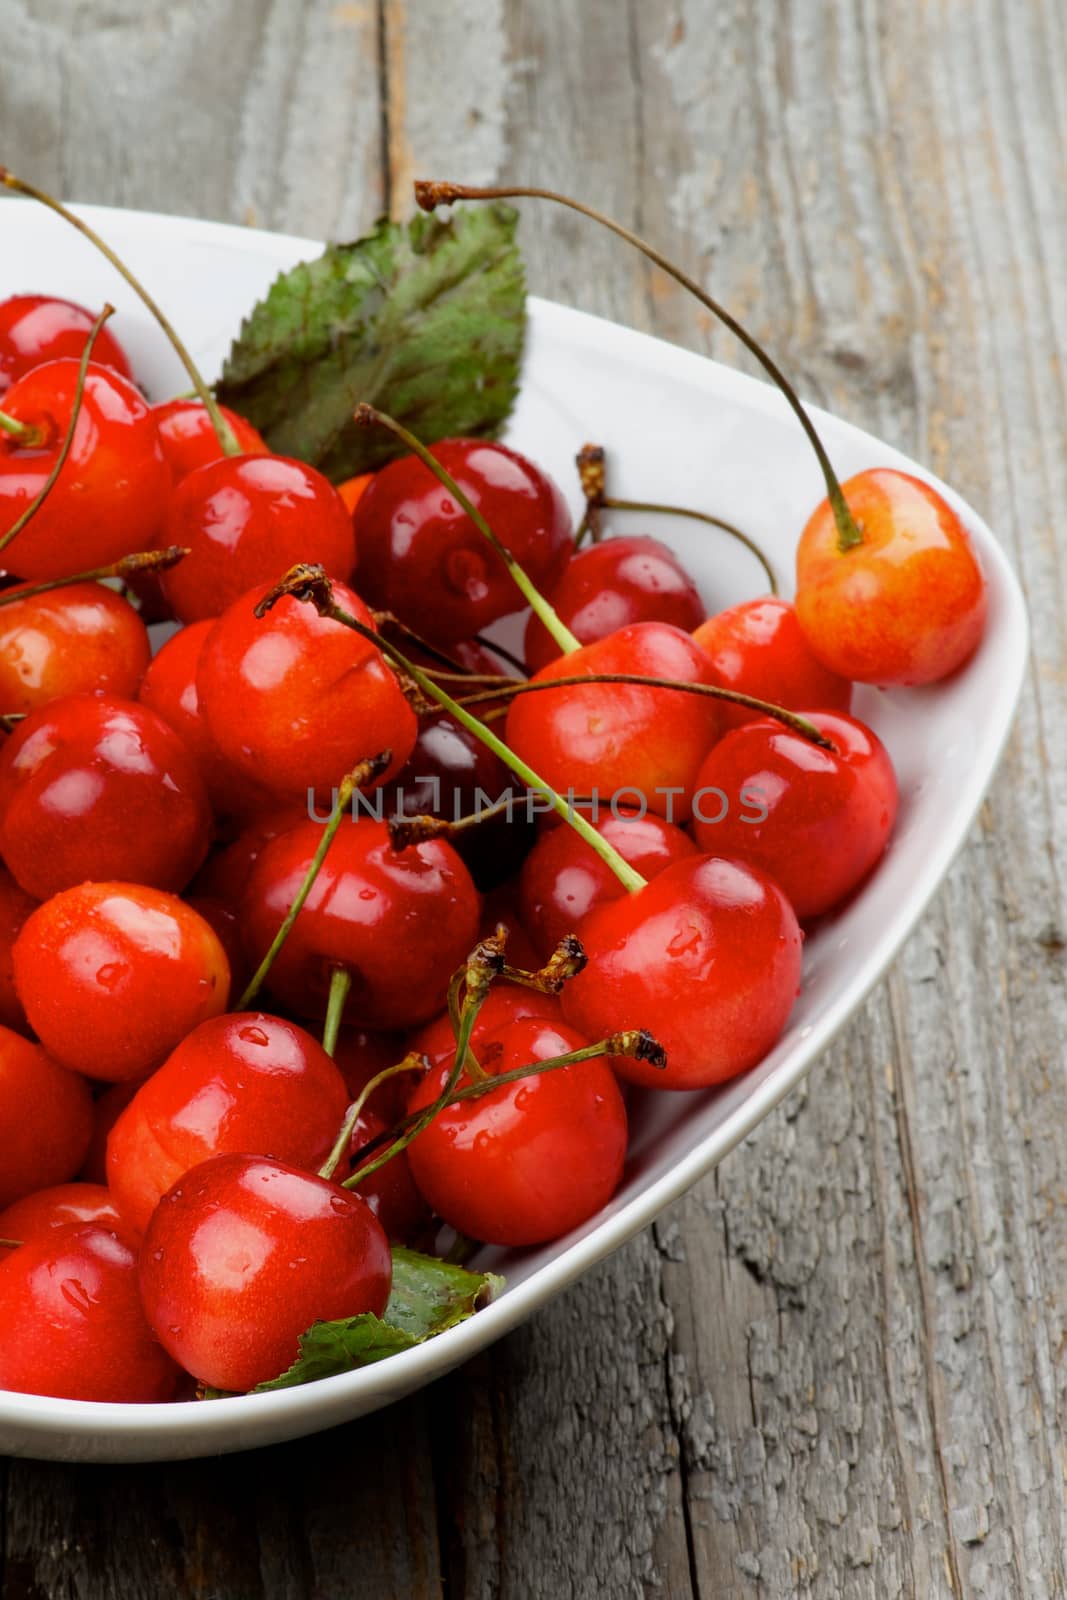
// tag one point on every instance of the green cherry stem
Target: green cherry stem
(412, 1062)
(340, 987)
(354, 780)
(125, 567)
(223, 432)
(369, 416)
(68, 439)
(23, 433)
(311, 585)
(429, 195)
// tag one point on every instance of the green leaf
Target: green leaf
(427, 1297)
(424, 321)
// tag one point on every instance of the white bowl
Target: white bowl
(679, 428)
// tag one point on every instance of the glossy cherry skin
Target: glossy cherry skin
(37, 1214)
(529, 1161)
(107, 1109)
(244, 1082)
(71, 1323)
(109, 497)
(46, 1117)
(816, 821)
(94, 787)
(758, 648)
(505, 1004)
(113, 975)
(908, 604)
(69, 641)
(15, 906)
(706, 957)
(390, 1192)
(244, 1254)
(296, 700)
(35, 328)
(400, 922)
(189, 440)
(608, 585)
(621, 739)
(421, 556)
(245, 520)
(563, 877)
(169, 689)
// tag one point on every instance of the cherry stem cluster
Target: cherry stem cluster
(412, 1062)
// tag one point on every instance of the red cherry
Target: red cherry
(907, 604)
(401, 922)
(244, 1082)
(360, 1056)
(531, 1160)
(189, 439)
(758, 648)
(297, 700)
(498, 906)
(69, 641)
(245, 520)
(706, 957)
(225, 874)
(37, 1214)
(611, 584)
(244, 1254)
(169, 689)
(71, 1323)
(390, 1192)
(15, 906)
(107, 1109)
(94, 787)
(113, 487)
(814, 820)
(562, 878)
(505, 1004)
(35, 328)
(113, 975)
(46, 1117)
(416, 543)
(621, 739)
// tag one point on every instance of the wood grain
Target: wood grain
(837, 1368)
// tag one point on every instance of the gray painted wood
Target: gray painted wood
(836, 1369)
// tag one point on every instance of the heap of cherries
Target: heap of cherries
(285, 807)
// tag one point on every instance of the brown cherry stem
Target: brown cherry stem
(429, 195)
(406, 831)
(498, 650)
(592, 469)
(223, 432)
(125, 567)
(11, 1244)
(412, 1062)
(68, 438)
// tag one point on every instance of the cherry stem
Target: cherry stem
(406, 831)
(340, 985)
(471, 1065)
(368, 416)
(223, 432)
(388, 619)
(412, 1062)
(654, 508)
(68, 439)
(498, 650)
(311, 585)
(23, 433)
(363, 774)
(429, 195)
(11, 1244)
(591, 465)
(713, 691)
(125, 567)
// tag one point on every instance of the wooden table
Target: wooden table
(837, 1368)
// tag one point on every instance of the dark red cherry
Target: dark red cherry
(390, 1192)
(758, 648)
(35, 328)
(422, 557)
(15, 906)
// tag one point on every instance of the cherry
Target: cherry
(398, 922)
(295, 699)
(37, 1214)
(93, 787)
(71, 1323)
(107, 1109)
(758, 648)
(531, 1160)
(706, 957)
(225, 874)
(244, 1082)
(35, 328)
(72, 640)
(505, 1004)
(621, 739)
(390, 1192)
(499, 907)
(113, 975)
(361, 1055)
(188, 438)
(415, 541)
(815, 820)
(563, 878)
(904, 603)
(46, 1118)
(109, 496)
(608, 585)
(244, 1254)
(15, 906)
(169, 689)
(244, 521)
